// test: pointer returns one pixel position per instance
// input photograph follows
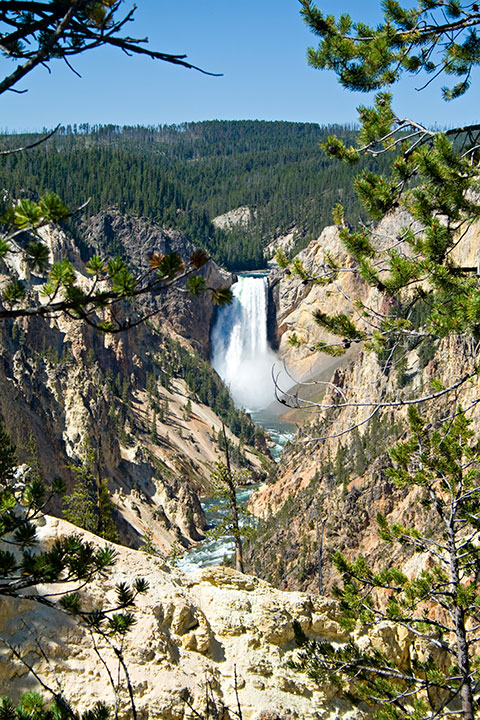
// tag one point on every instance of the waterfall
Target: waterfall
(240, 351)
(243, 359)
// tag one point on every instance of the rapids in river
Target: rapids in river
(244, 360)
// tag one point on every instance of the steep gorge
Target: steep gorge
(129, 398)
(125, 398)
(331, 481)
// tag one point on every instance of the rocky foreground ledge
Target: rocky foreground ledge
(191, 631)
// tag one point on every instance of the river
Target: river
(243, 359)
(213, 552)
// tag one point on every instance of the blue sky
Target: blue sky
(258, 45)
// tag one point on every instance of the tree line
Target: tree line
(183, 176)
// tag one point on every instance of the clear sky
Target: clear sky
(258, 45)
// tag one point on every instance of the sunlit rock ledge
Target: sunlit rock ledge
(191, 630)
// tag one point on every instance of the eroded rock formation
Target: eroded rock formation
(75, 390)
(333, 474)
(219, 627)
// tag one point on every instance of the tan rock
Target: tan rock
(203, 629)
(233, 218)
(66, 385)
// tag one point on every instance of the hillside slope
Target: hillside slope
(127, 408)
(334, 470)
(185, 176)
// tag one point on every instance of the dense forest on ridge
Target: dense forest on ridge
(183, 176)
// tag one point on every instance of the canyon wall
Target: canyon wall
(331, 480)
(68, 390)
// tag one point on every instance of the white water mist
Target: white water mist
(240, 351)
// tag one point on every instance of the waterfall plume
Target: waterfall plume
(240, 351)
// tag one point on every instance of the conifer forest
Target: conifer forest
(239, 361)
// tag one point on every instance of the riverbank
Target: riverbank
(217, 551)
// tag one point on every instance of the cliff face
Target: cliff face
(118, 397)
(218, 629)
(295, 300)
(137, 239)
(241, 216)
(331, 481)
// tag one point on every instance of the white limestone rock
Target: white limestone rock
(211, 627)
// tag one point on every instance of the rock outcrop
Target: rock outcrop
(230, 632)
(73, 389)
(137, 239)
(239, 217)
(296, 300)
(335, 468)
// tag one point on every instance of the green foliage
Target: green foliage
(281, 259)
(169, 265)
(51, 209)
(184, 176)
(196, 285)
(280, 535)
(63, 292)
(14, 292)
(8, 458)
(148, 546)
(222, 297)
(294, 340)
(431, 37)
(106, 525)
(432, 175)
(80, 506)
(339, 324)
(237, 522)
(37, 256)
(222, 492)
(28, 214)
(21, 504)
(437, 605)
(378, 194)
(89, 505)
(95, 266)
(336, 148)
(32, 706)
(204, 383)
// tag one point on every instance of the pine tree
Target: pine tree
(153, 429)
(187, 410)
(236, 521)
(433, 175)
(105, 526)
(438, 607)
(89, 505)
(79, 507)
